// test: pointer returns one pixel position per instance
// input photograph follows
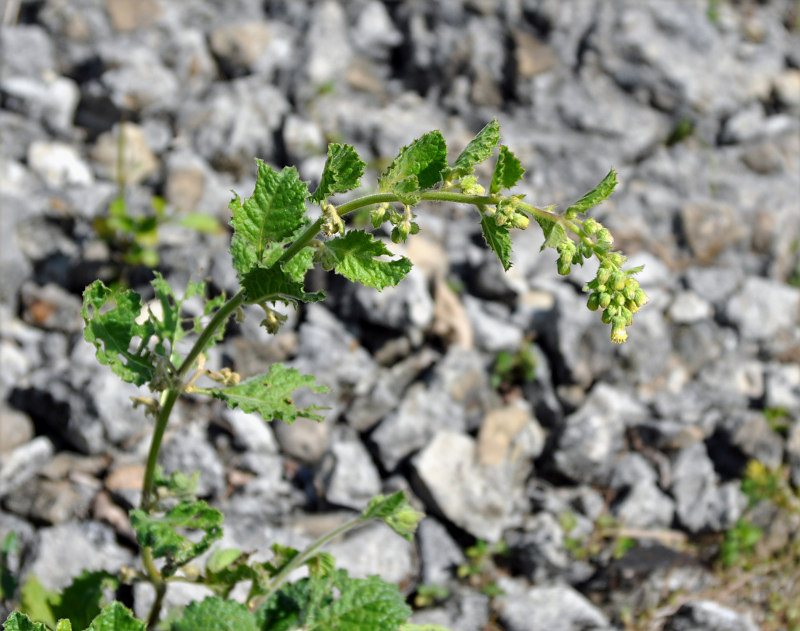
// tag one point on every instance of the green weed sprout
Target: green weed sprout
(275, 243)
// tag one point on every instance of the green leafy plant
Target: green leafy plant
(480, 570)
(274, 244)
(513, 368)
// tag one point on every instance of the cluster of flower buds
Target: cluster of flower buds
(507, 213)
(617, 294)
(403, 225)
(273, 320)
(333, 223)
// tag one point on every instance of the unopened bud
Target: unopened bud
(593, 302)
(591, 225)
(605, 299)
(520, 221)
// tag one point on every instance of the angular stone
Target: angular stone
(138, 161)
(58, 164)
(350, 478)
(764, 308)
(709, 616)
(238, 46)
(21, 465)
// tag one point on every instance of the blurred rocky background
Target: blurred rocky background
(571, 484)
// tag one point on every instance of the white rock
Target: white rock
(58, 164)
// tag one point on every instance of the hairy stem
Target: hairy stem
(280, 578)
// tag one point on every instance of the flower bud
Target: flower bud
(640, 298)
(619, 299)
(594, 302)
(618, 334)
(630, 289)
(591, 225)
(563, 267)
(618, 280)
(604, 236)
(605, 299)
(603, 274)
(520, 221)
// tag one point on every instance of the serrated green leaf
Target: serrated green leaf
(274, 284)
(84, 598)
(478, 150)
(507, 172)
(424, 159)
(342, 172)
(274, 212)
(270, 394)
(215, 614)
(497, 238)
(335, 603)
(112, 331)
(18, 621)
(353, 256)
(222, 558)
(598, 194)
(554, 233)
(321, 564)
(407, 190)
(116, 617)
(160, 534)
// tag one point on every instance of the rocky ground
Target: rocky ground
(598, 487)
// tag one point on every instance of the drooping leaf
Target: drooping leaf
(112, 331)
(274, 284)
(497, 238)
(342, 172)
(116, 617)
(160, 532)
(336, 603)
(18, 621)
(37, 601)
(425, 158)
(479, 149)
(507, 172)
(274, 212)
(215, 614)
(597, 195)
(354, 257)
(270, 394)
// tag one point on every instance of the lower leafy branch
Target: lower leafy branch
(274, 245)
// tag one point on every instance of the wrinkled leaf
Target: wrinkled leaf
(20, 622)
(342, 172)
(598, 194)
(353, 256)
(274, 284)
(478, 150)
(424, 159)
(507, 172)
(269, 395)
(116, 617)
(497, 238)
(215, 614)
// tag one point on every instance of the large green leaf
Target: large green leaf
(20, 622)
(270, 394)
(424, 159)
(336, 603)
(112, 331)
(353, 256)
(342, 172)
(215, 614)
(598, 194)
(274, 212)
(161, 534)
(479, 149)
(116, 617)
(507, 172)
(497, 238)
(274, 284)
(84, 598)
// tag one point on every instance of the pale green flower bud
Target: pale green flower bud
(594, 302)
(605, 299)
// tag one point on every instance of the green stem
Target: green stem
(280, 578)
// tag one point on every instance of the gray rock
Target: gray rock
(465, 610)
(16, 428)
(706, 615)
(239, 46)
(267, 498)
(763, 309)
(188, 451)
(138, 82)
(645, 506)
(407, 306)
(35, 53)
(547, 607)
(51, 101)
(328, 44)
(21, 464)
(58, 164)
(783, 387)
(350, 478)
(51, 307)
(303, 439)
(250, 431)
(421, 414)
(541, 552)
(186, 54)
(491, 327)
(67, 549)
(631, 469)
(374, 33)
(440, 556)
(594, 434)
(747, 432)
(137, 161)
(688, 307)
(52, 501)
(479, 499)
(699, 503)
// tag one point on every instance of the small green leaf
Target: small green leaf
(274, 212)
(497, 238)
(424, 159)
(507, 172)
(554, 233)
(478, 150)
(270, 394)
(112, 331)
(20, 622)
(598, 194)
(37, 601)
(395, 512)
(342, 172)
(160, 534)
(273, 284)
(353, 256)
(116, 617)
(215, 614)
(222, 558)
